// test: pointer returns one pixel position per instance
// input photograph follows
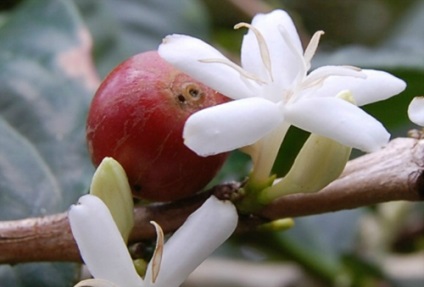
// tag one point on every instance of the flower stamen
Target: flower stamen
(312, 48)
(242, 72)
(157, 255)
(263, 48)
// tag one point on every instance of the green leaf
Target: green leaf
(403, 49)
(46, 83)
(135, 26)
(28, 191)
(39, 275)
(319, 242)
(45, 89)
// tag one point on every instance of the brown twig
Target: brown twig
(393, 173)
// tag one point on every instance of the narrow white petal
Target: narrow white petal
(231, 125)
(339, 120)
(377, 86)
(187, 53)
(267, 23)
(416, 111)
(204, 231)
(95, 283)
(100, 243)
(286, 54)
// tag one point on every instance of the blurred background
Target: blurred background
(53, 53)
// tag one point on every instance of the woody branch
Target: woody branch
(393, 173)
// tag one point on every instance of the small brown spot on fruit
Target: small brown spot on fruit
(181, 98)
(137, 188)
(192, 91)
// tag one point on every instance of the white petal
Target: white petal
(377, 86)
(286, 56)
(100, 242)
(339, 120)
(231, 125)
(322, 73)
(265, 23)
(416, 111)
(204, 231)
(95, 283)
(186, 54)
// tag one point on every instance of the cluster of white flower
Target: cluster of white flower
(272, 90)
(101, 235)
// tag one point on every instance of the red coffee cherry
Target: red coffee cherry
(137, 117)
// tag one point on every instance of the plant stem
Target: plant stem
(393, 173)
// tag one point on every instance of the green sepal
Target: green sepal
(110, 184)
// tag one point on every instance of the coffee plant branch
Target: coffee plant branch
(393, 173)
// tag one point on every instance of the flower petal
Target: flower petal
(416, 111)
(286, 54)
(100, 242)
(319, 75)
(95, 283)
(204, 231)
(231, 125)
(187, 53)
(378, 86)
(339, 120)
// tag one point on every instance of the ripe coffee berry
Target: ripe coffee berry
(137, 117)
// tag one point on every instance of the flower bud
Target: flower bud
(111, 185)
(319, 162)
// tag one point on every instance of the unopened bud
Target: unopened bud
(111, 185)
(319, 162)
